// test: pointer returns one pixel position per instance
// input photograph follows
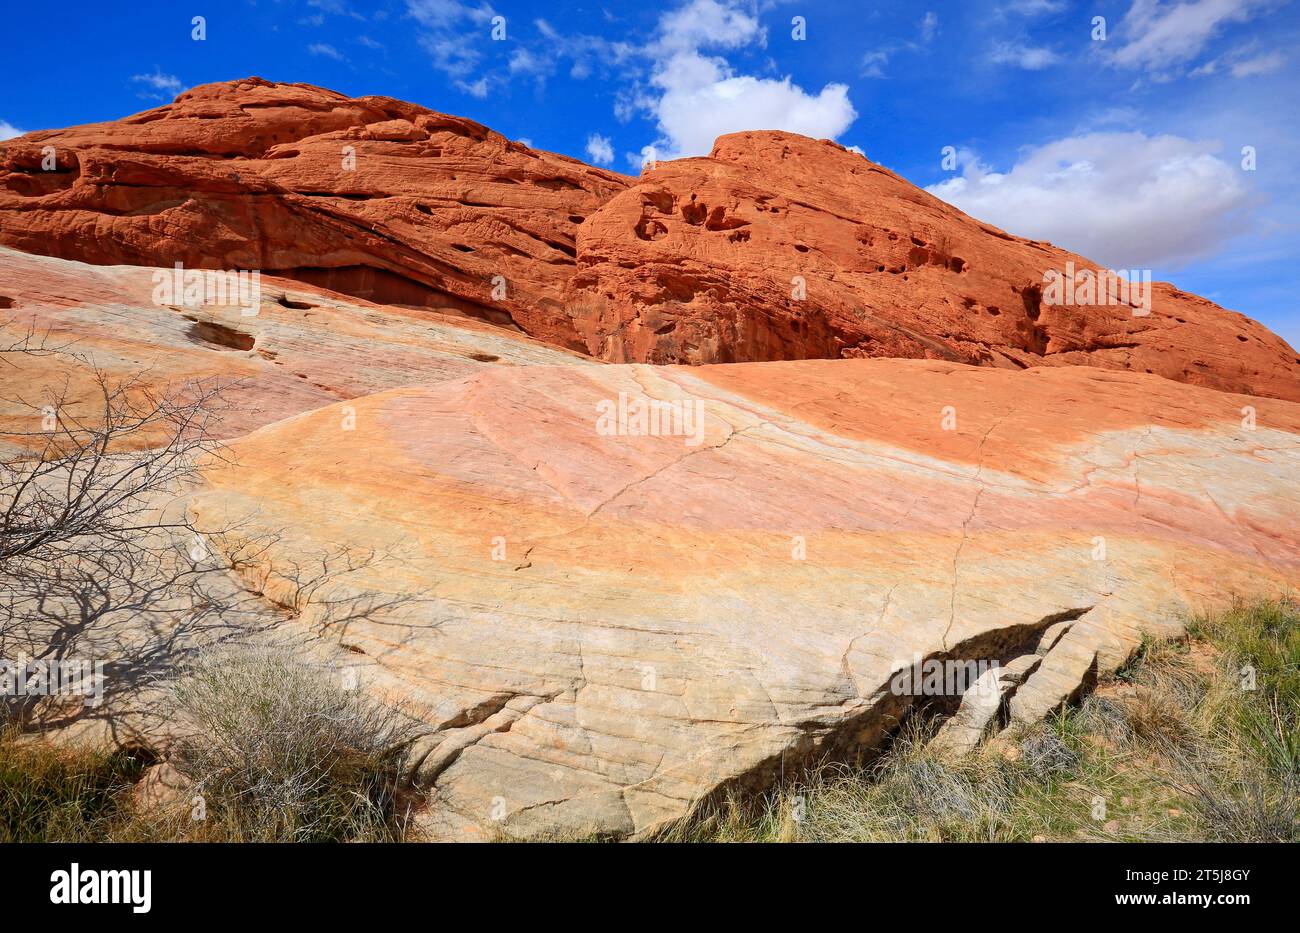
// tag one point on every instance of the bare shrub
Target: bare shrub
(282, 751)
(94, 466)
(95, 543)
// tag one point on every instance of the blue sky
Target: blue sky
(1127, 149)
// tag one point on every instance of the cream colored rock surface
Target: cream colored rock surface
(303, 349)
(601, 630)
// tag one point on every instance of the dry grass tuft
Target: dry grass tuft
(1175, 747)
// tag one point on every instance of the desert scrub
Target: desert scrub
(1245, 779)
(1194, 739)
(53, 794)
(281, 751)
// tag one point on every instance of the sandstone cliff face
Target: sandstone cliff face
(373, 197)
(697, 261)
(777, 246)
(605, 628)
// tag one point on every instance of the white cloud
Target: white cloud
(458, 38)
(1032, 7)
(1260, 65)
(677, 77)
(875, 60)
(705, 101)
(1023, 56)
(695, 97)
(477, 88)
(699, 23)
(453, 35)
(929, 26)
(1121, 116)
(169, 85)
(599, 149)
(444, 14)
(336, 7)
(873, 63)
(455, 55)
(9, 131)
(583, 51)
(1243, 62)
(325, 50)
(1160, 35)
(164, 86)
(1122, 199)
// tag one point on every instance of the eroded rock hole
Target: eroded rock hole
(661, 201)
(695, 213)
(718, 220)
(649, 229)
(557, 184)
(1032, 297)
(219, 335)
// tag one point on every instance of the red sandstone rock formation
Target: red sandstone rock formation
(254, 175)
(672, 612)
(701, 260)
(704, 261)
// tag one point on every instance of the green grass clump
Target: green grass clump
(52, 794)
(1176, 746)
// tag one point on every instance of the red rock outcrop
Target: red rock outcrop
(780, 247)
(256, 175)
(604, 620)
(775, 247)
